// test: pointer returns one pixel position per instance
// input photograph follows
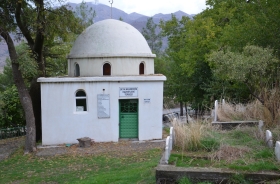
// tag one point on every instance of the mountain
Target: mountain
(135, 19)
(104, 12)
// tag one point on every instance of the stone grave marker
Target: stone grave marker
(277, 150)
(268, 138)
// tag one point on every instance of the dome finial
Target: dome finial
(111, 2)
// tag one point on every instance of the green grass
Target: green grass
(137, 168)
(188, 161)
(255, 156)
(166, 130)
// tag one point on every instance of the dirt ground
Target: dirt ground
(122, 148)
(8, 146)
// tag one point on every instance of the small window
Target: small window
(81, 101)
(141, 69)
(77, 70)
(106, 69)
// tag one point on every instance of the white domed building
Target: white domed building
(110, 93)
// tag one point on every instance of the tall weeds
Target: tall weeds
(271, 103)
(267, 110)
(241, 112)
(188, 136)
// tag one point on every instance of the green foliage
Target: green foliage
(161, 64)
(6, 78)
(256, 68)
(27, 64)
(186, 52)
(11, 113)
(244, 39)
(85, 14)
(249, 66)
(152, 34)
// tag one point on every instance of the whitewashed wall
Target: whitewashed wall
(119, 66)
(62, 124)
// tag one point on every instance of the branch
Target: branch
(11, 47)
(253, 94)
(39, 40)
(23, 28)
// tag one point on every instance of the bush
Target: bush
(11, 113)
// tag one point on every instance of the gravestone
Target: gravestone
(216, 111)
(84, 142)
(260, 125)
(167, 150)
(277, 150)
(171, 138)
(268, 138)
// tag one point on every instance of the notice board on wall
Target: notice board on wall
(103, 106)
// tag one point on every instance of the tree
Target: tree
(11, 109)
(40, 24)
(242, 23)
(153, 36)
(85, 14)
(24, 96)
(255, 67)
(186, 51)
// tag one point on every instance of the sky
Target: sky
(152, 7)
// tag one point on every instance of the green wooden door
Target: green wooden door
(128, 114)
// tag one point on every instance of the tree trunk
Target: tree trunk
(181, 109)
(30, 143)
(35, 93)
(187, 113)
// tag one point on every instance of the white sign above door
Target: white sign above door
(128, 91)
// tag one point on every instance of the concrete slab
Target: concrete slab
(171, 174)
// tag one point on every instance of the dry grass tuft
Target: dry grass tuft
(251, 111)
(188, 135)
(229, 153)
(268, 110)
(235, 112)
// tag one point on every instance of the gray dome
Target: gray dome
(110, 38)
